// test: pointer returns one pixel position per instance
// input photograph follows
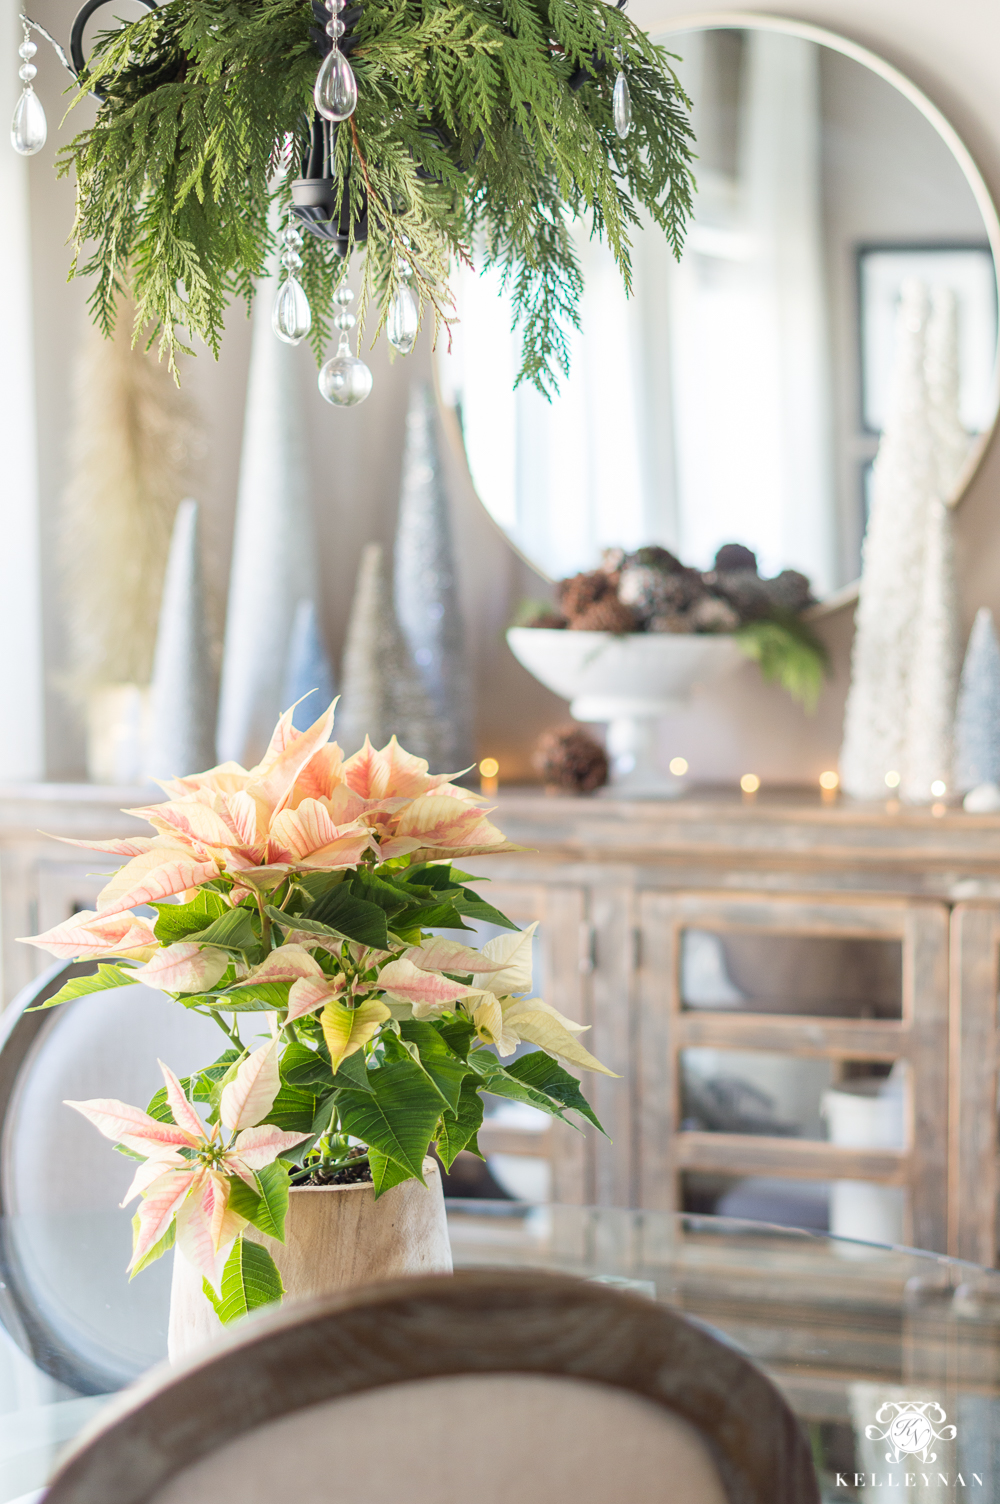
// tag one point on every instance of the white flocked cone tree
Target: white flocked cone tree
(904, 484)
(927, 761)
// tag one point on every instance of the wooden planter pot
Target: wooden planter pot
(335, 1236)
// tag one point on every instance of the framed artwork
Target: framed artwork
(969, 270)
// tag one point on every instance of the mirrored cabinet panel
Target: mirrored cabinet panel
(826, 975)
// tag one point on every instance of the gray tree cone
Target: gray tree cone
(184, 688)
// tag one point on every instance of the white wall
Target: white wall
(952, 51)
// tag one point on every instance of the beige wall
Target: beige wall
(950, 50)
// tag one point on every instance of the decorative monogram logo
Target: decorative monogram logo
(910, 1431)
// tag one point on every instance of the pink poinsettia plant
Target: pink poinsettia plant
(311, 890)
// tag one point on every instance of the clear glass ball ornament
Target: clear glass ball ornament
(403, 320)
(336, 91)
(291, 318)
(27, 72)
(28, 129)
(27, 49)
(345, 380)
(344, 295)
(621, 106)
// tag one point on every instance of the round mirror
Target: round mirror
(738, 395)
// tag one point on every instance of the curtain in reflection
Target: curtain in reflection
(696, 412)
(747, 310)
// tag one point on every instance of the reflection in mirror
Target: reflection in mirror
(737, 394)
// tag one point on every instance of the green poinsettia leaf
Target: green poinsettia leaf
(350, 917)
(301, 1066)
(444, 1068)
(250, 1279)
(175, 921)
(106, 976)
(293, 1109)
(495, 1078)
(386, 1172)
(265, 997)
(541, 1072)
(458, 1131)
(233, 930)
(473, 907)
(397, 1116)
(267, 1209)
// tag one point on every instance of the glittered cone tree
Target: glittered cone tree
(425, 587)
(905, 483)
(977, 721)
(383, 694)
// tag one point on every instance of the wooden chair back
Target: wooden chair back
(64, 1243)
(499, 1387)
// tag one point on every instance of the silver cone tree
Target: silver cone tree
(425, 586)
(383, 695)
(184, 690)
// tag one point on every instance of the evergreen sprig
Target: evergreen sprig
(466, 136)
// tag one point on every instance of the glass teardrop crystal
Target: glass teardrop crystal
(28, 128)
(402, 322)
(292, 316)
(621, 106)
(336, 91)
(345, 380)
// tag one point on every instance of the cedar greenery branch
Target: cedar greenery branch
(304, 896)
(466, 136)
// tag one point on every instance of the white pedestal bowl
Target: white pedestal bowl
(630, 682)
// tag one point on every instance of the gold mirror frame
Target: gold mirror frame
(752, 21)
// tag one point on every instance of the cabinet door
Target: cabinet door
(565, 981)
(830, 991)
(973, 1178)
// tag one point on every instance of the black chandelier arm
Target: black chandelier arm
(76, 62)
(76, 35)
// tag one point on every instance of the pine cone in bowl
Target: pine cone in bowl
(581, 591)
(607, 615)
(570, 761)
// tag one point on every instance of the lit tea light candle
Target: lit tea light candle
(939, 788)
(892, 779)
(488, 770)
(749, 783)
(678, 766)
(829, 783)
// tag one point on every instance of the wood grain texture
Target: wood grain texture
(336, 1238)
(973, 1171)
(472, 1323)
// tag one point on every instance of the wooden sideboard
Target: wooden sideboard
(860, 936)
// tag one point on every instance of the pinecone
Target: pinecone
(734, 558)
(789, 591)
(607, 615)
(745, 591)
(652, 593)
(655, 557)
(711, 614)
(568, 758)
(583, 590)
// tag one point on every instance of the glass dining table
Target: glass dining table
(889, 1357)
